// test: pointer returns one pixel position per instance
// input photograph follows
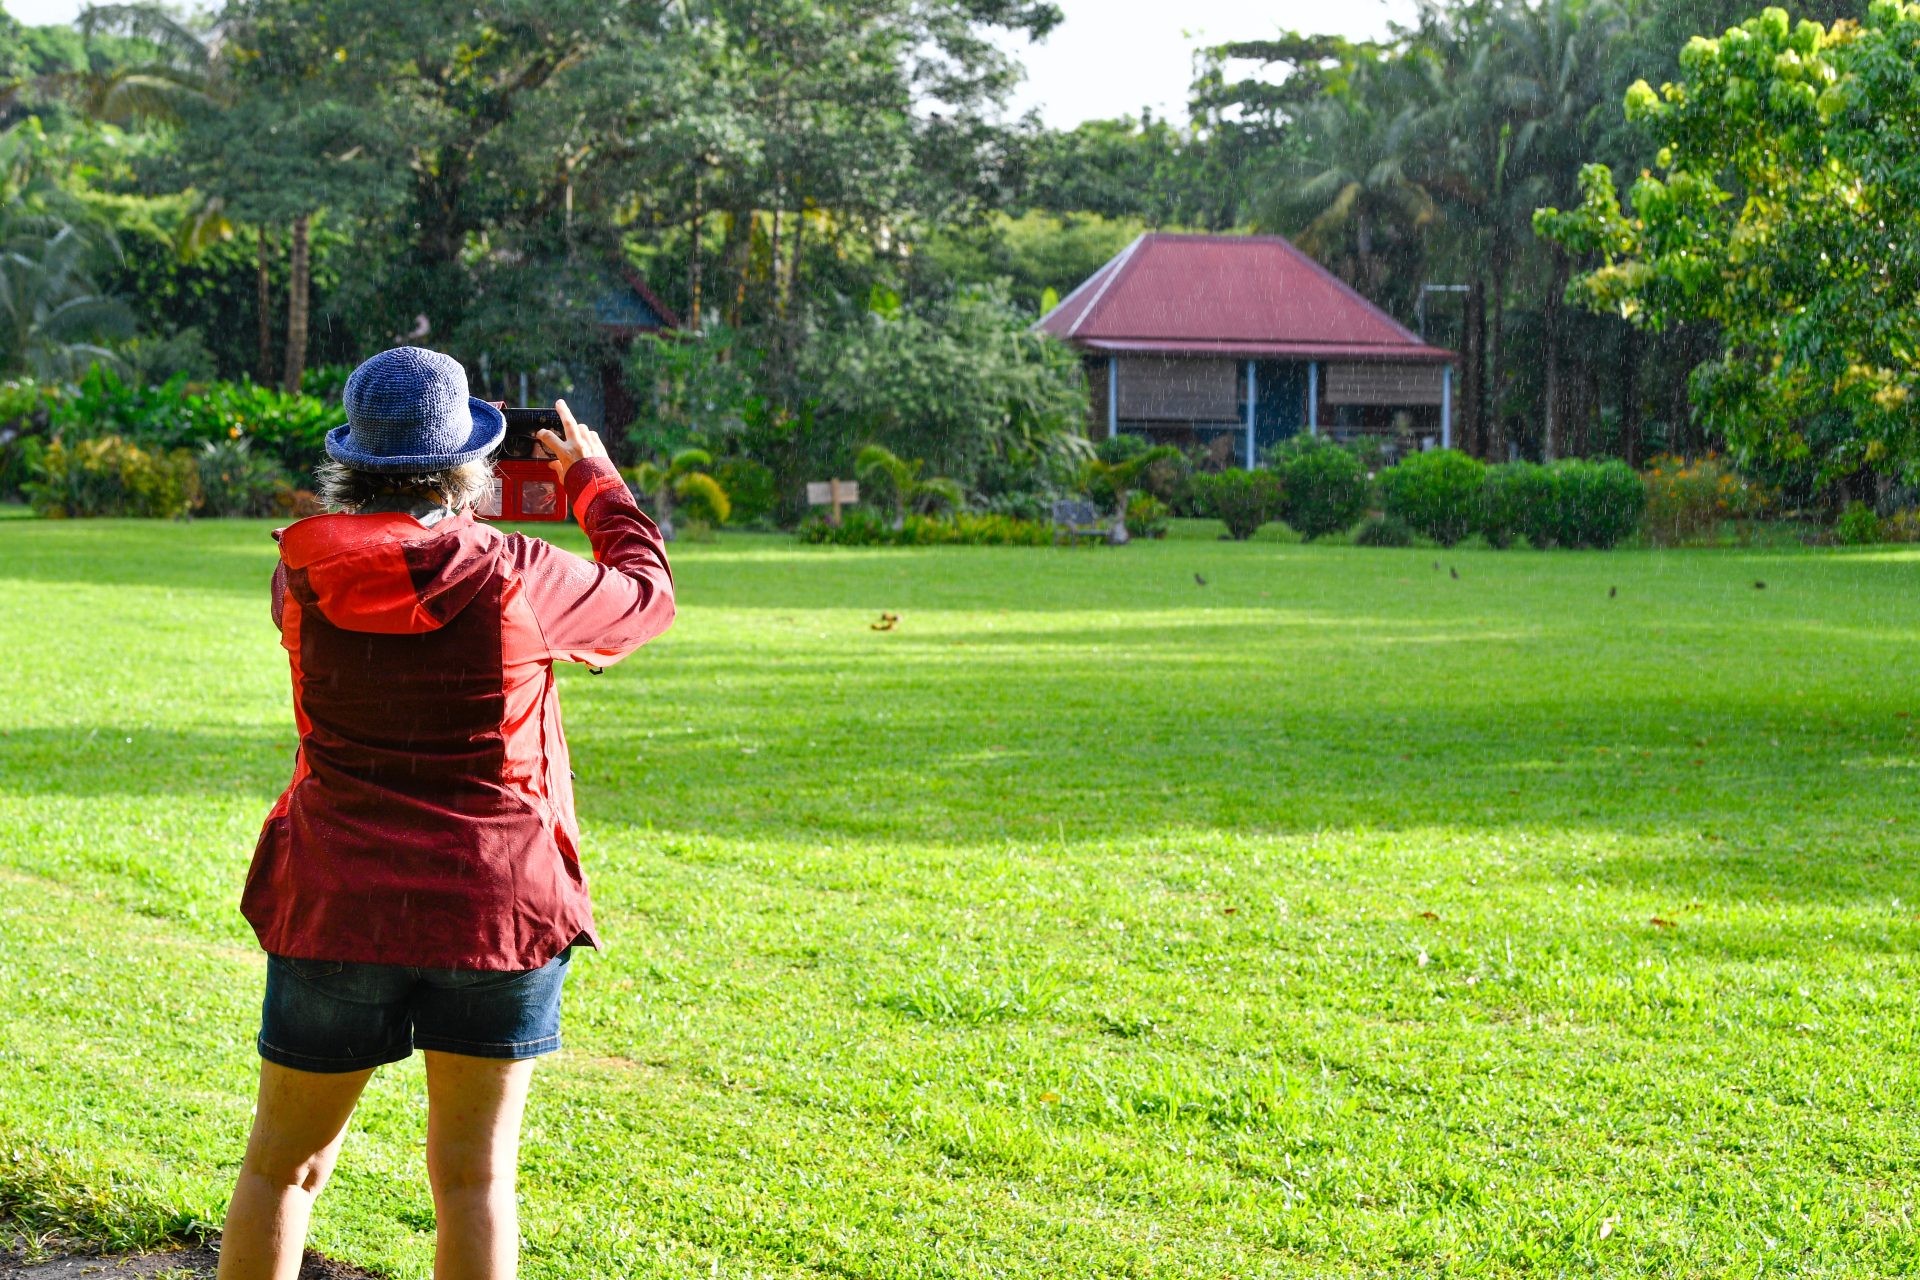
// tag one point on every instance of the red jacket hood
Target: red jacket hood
(387, 573)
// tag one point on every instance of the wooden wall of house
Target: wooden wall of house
(1383, 384)
(1165, 389)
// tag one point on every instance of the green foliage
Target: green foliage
(1124, 447)
(1119, 463)
(1687, 499)
(1147, 516)
(1858, 526)
(1785, 150)
(179, 414)
(1242, 500)
(1387, 530)
(954, 384)
(864, 528)
(702, 498)
(1439, 494)
(109, 476)
(1596, 504)
(751, 489)
(702, 386)
(900, 481)
(1323, 486)
(236, 481)
(1573, 503)
(1519, 502)
(1039, 254)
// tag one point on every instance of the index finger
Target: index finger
(566, 419)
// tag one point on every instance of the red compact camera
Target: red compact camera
(524, 486)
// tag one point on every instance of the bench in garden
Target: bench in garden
(1073, 520)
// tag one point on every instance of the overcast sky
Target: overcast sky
(1110, 57)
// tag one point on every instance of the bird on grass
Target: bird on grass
(1197, 578)
(1759, 586)
(1455, 572)
(1436, 566)
(1612, 592)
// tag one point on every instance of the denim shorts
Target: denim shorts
(326, 1015)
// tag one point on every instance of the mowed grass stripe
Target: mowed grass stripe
(1093, 921)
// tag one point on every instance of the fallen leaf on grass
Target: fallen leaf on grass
(1607, 1225)
(1658, 923)
(1429, 915)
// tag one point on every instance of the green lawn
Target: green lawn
(1337, 917)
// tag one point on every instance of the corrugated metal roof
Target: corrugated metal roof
(1257, 296)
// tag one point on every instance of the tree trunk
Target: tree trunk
(738, 256)
(693, 258)
(297, 282)
(263, 295)
(1552, 427)
(1473, 374)
(1497, 363)
(1630, 397)
(793, 255)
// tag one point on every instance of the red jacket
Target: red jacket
(430, 818)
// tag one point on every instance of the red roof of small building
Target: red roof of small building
(1240, 296)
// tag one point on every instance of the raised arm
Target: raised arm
(596, 611)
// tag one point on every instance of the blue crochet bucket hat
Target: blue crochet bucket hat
(408, 410)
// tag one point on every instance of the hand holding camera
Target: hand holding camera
(578, 442)
(529, 471)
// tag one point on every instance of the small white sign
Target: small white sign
(822, 492)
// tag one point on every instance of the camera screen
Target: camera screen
(539, 497)
(488, 508)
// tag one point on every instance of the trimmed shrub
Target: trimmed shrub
(1574, 503)
(1386, 530)
(701, 497)
(1439, 494)
(1242, 500)
(1516, 502)
(108, 476)
(1857, 526)
(864, 528)
(1323, 487)
(1146, 516)
(1596, 504)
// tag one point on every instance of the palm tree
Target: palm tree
(1121, 477)
(1560, 75)
(54, 320)
(904, 484)
(660, 480)
(184, 73)
(1354, 192)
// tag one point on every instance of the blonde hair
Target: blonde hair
(345, 489)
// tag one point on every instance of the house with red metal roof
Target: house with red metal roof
(1238, 342)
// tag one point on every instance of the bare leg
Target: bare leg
(474, 1106)
(298, 1123)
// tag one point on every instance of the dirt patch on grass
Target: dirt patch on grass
(198, 1262)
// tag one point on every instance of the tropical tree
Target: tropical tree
(1788, 156)
(663, 480)
(1120, 476)
(54, 318)
(903, 484)
(1352, 191)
